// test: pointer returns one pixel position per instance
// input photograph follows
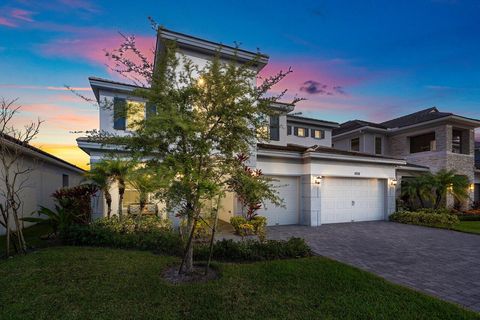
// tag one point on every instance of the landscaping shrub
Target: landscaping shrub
(256, 225)
(77, 201)
(254, 250)
(142, 233)
(438, 219)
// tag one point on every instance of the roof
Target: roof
(416, 117)
(312, 121)
(320, 149)
(356, 124)
(189, 42)
(39, 151)
(411, 119)
(99, 83)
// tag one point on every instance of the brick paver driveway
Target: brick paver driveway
(438, 262)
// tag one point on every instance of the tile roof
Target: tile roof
(355, 124)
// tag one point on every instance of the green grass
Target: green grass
(32, 237)
(98, 283)
(468, 226)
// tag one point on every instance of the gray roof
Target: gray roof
(416, 117)
(312, 121)
(356, 124)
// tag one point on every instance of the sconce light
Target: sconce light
(393, 182)
(450, 187)
(472, 187)
(318, 179)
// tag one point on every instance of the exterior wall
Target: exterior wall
(41, 183)
(309, 141)
(367, 142)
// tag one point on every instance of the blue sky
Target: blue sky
(385, 58)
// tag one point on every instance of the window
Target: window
(424, 142)
(135, 114)
(317, 134)
(119, 113)
(131, 196)
(378, 145)
(275, 128)
(301, 132)
(151, 110)
(355, 144)
(65, 182)
(458, 142)
(289, 130)
(127, 114)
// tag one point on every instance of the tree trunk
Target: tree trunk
(187, 262)
(108, 199)
(121, 192)
(420, 199)
(212, 239)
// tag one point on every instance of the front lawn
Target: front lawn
(32, 237)
(468, 226)
(98, 283)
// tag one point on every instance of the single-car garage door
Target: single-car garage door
(288, 188)
(352, 199)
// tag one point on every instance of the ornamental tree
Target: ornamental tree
(199, 120)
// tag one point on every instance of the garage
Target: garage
(352, 199)
(288, 189)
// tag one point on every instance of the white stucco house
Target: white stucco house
(49, 174)
(319, 184)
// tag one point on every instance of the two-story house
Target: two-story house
(428, 138)
(319, 184)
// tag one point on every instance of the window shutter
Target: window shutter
(151, 110)
(312, 133)
(289, 130)
(119, 113)
(295, 131)
(322, 134)
(306, 132)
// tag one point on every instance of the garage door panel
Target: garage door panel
(288, 189)
(355, 199)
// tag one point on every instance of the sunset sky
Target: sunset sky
(370, 60)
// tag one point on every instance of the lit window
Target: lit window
(301, 132)
(318, 134)
(136, 114)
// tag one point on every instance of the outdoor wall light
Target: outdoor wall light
(472, 187)
(318, 179)
(393, 182)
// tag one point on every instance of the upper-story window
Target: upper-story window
(461, 141)
(317, 134)
(378, 145)
(355, 144)
(65, 180)
(424, 142)
(275, 128)
(300, 132)
(127, 114)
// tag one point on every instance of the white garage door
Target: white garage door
(288, 188)
(352, 199)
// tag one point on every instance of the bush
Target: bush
(142, 233)
(77, 201)
(426, 218)
(254, 250)
(243, 227)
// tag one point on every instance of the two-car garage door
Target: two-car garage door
(352, 199)
(341, 200)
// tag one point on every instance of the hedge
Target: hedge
(429, 219)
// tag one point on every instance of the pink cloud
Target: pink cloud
(92, 48)
(7, 22)
(20, 14)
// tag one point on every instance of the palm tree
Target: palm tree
(448, 182)
(101, 176)
(119, 170)
(144, 182)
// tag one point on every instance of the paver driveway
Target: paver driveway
(438, 262)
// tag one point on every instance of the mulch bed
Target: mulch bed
(197, 276)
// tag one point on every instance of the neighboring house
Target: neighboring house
(319, 184)
(477, 172)
(429, 138)
(50, 174)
